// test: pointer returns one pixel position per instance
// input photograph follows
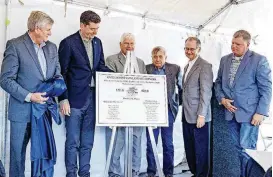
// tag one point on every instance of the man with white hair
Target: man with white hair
(116, 63)
(29, 60)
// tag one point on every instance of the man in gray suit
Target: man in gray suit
(116, 63)
(174, 86)
(29, 60)
(196, 113)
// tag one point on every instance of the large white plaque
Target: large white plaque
(131, 100)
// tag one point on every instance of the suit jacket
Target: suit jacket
(197, 91)
(173, 78)
(116, 63)
(76, 69)
(21, 73)
(251, 89)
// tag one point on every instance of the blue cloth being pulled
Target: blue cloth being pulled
(2, 170)
(43, 148)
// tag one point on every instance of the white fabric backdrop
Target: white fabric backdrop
(2, 105)
(110, 32)
(112, 26)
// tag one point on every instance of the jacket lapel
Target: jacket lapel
(29, 45)
(185, 70)
(95, 49)
(150, 69)
(48, 62)
(193, 68)
(81, 47)
(168, 72)
(227, 69)
(242, 66)
(122, 59)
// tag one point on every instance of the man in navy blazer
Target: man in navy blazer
(81, 55)
(29, 60)
(244, 87)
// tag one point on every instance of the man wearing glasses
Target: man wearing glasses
(196, 112)
(81, 55)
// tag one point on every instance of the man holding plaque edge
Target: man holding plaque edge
(117, 63)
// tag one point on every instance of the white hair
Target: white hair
(38, 19)
(127, 35)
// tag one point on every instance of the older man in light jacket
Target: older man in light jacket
(117, 63)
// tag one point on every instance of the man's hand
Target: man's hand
(228, 105)
(200, 121)
(257, 119)
(65, 108)
(38, 98)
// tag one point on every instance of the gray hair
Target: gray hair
(125, 36)
(244, 34)
(38, 19)
(198, 42)
(157, 49)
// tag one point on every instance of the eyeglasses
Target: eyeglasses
(190, 49)
(127, 44)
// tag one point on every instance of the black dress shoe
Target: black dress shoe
(151, 175)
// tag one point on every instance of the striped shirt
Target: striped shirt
(235, 63)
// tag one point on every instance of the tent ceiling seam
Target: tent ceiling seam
(219, 12)
(130, 13)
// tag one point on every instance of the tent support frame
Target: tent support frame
(219, 12)
(140, 15)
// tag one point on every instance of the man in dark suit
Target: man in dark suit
(174, 83)
(29, 60)
(196, 113)
(81, 55)
(244, 87)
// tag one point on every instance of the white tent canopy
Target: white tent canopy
(154, 22)
(253, 15)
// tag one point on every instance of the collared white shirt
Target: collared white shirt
(41, 56)
(124, 55)
(191, 63)
(42, 61)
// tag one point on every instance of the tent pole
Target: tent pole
(223, 19)
(223, 9)
(244, 1)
